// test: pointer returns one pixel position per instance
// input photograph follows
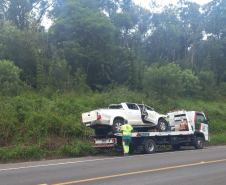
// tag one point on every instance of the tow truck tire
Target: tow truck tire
(176, 147)
(199, 143)
(149, 146)
(116, 127)
(162, 125)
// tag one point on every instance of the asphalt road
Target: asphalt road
(186, 167)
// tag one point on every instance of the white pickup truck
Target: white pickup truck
(140, 116)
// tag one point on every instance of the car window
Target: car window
(149, 108)
(115, 107)
(132, 106)
(200, 118)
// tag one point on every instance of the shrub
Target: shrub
(163, 82)
(9, 78)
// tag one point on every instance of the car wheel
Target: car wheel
(149, 146)
(162, 125)
(199, 143)
(116, 127)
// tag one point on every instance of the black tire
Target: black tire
(162, 125)
(176, 147)
(149, 146)
(100, 132)
(199, 143)
(116, 127)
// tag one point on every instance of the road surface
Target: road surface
(185, 167)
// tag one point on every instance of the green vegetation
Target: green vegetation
(36, 126)
(101, 52)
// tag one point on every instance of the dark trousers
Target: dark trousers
(125, 144)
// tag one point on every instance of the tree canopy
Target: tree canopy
(179, 50)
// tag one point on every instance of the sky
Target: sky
(145, 3)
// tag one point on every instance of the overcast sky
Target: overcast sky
(145, 3)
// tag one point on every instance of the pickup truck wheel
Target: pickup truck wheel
(199, 143)
(162, 125)
(149, 146)
(116, 127)
(176, 147)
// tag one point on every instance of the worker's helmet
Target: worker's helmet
(125, 121)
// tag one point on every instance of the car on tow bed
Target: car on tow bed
(142, 117)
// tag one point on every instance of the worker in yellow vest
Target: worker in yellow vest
(126, 132)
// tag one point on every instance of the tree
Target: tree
(164, 81)
(23, 47)
(190, 83)
(192, 26)
(3, 8)
(208, 84)
(85, 39)
(164, 42)
(19, 11)
(9, 78)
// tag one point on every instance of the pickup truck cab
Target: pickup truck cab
(140, 116)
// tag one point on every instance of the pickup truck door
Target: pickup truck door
(149, 114)
(134, 114)
(151, 117)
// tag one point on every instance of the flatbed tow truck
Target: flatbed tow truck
(186, 128)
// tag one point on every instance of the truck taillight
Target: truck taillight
(93, 141)
(98, 116)
(81, 118)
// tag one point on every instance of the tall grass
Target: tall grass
(35, 125)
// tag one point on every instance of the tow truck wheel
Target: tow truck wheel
(199, 143)
(116, 127)
(162, 125)
(149, 146)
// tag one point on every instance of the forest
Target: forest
(98, 52)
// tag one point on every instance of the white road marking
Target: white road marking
(112, 158)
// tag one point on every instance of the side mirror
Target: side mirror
(207, 121)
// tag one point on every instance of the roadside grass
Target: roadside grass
(35, 126)
(28, 153)
(219, 139)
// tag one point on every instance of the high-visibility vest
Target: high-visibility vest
(126, 129)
